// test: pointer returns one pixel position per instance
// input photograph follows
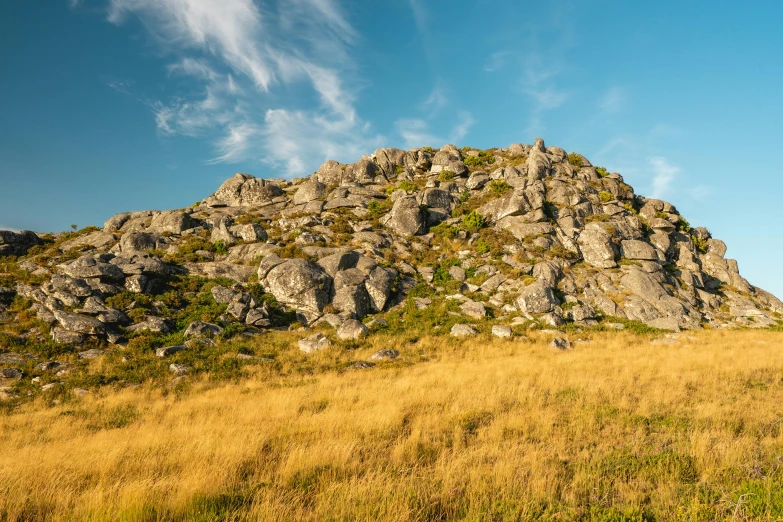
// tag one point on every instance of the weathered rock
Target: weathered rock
(537, 298)
(179, 369)
(596, 247)
(301, 284)
(139, 241)
(98, 239)
(152, 324)
(13, 374)
(538, 163)
(638, 250)
(91, 354)
(340, 261)
(17, 243)
(351, 329)
(385, 355)
(474, 309)
(169, 350)
(314, 343)
(213, 269)
(560, 343)
(462, 330)
(244, 190)
(309, 191)
(379, 286)
(406, 217)
(352, 300)
(173, 222)
(501, 331)
(79, 323)
(249, 232)
(202, 329)
(88, 267)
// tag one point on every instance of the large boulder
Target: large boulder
(538, 163)
(301, 284)
(79, 323)
(17, 243)
(351, 330)
(406, 217)
(308, 191)
(87, 267)
(596, 246)
(330, 173)
(379, 285)
(173, 222)
(139, 241)
(244, 190)
(639, 250)
(537, 298)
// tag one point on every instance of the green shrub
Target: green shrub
(499, 186)
(398, 169)
(575, 159)
(474, 221)
(700, 244)
(481, 247)
(602, 172)
(597, 218)
(605, 196)
(444, 230)
(377, 208)
(406, 185)
(683, 225)
(446, 175)
(220, 247)
(473, 161)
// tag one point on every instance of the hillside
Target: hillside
(453, 241)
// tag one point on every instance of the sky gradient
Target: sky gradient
(116, 105)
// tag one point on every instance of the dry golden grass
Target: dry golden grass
(615, 429)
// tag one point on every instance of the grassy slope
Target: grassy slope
(617, 429)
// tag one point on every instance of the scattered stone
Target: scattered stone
(202, 329)
(385, 355)
(463, 330)
(314, 343)
(473, 309)
(179, 369)
(91, 353)
(502, 331)
(560, 343)
(351, 329)
(169, 350)
(361, 365)
(11, 373)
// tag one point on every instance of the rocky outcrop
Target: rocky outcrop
(17, 243)
(244, 190)
(524, 235)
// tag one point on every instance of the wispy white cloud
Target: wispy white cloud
(496, 61)
(3, 227)
(701, 192)
(436, 100)
(420, 14)
(240, 53)
(416, 132)
(663, 174)
(540, 85)
(613, 100)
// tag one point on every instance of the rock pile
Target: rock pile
(527, 231)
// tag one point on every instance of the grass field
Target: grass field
(482, 430)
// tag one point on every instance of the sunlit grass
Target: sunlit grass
(615, 429)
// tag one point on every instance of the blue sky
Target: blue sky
(114, 105)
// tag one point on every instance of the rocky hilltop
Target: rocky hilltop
(526, 236)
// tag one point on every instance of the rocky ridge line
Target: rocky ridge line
(525, 235)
